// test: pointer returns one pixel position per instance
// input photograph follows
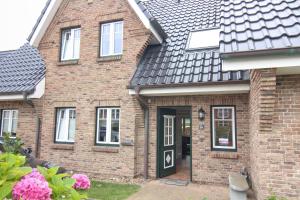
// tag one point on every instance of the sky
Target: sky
(17, 18)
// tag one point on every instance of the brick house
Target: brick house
(185, 89)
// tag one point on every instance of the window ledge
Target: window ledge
(109, 58)
(63, 147)
(105, 149)
(224, 155)
(68, 62)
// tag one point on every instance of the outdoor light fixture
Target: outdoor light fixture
(201, 115)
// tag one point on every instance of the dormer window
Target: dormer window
(70, 44)
(111, 43)
(203, 39)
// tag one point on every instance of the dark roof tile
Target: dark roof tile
(21, 70)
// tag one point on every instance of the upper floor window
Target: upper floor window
(223, 128)
(65, 125)
(70, 44)
(108, 126)
(9, 122)
(203, 39)
(111, 39)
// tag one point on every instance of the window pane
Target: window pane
(118, 44)
(61, 124)
(5, 126)
(223, 128)
(72, 125)
(102, 129)
(223, 133)
(76, 47)
(66, 45)
(115, 131)
(105, 32)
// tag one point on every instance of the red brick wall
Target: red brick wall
(274, 134)
(207, 166)
(92, 83)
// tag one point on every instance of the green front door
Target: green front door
(166, 142)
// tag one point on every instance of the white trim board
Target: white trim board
(194, 90)
(54, 6)
(257, 62)
(38, 93)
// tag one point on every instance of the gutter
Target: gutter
(38, 122)
(145, 108)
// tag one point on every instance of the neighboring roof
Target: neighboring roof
(170, 63)
(253, 25)
(3, 54)
(21, 70)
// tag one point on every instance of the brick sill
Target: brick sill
(68, 62)
(109, 58)
(224, 155)
(105, 149)
(63, 147)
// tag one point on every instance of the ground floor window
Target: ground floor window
(9, 122)
(223, 128)
(108, 126)
(65, 125)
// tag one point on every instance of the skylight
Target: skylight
(203, 39)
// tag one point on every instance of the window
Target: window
(65, 125)
(9, 122)
(111, 39)
(203, 39)
(70, 44)
(169, 130)
(223, 128)
(108, 126)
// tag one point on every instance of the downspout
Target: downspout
(38, 123)
(145, 108)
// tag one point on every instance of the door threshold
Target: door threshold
(174, 182)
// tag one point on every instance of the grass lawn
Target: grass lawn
(111, 191)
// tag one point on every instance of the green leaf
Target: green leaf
(75, 195)
(69, 182)
(6, 189)
(52, 171)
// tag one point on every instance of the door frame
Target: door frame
(158, 159)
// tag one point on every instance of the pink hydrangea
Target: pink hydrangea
(82, 182)
(30, 188)
(35, 174)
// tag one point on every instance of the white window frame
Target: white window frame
(167, 142)
(57, 125)
(211, 38)
(63, 46)
(233, 147)
(108, 125)
(10, 120)
(111, 39)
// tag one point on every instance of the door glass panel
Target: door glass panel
(168, 130)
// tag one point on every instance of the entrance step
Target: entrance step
(174, 182)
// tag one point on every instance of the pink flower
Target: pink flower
(35, 174)
(82, 182)
(32, 187)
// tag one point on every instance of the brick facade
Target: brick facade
(274, 134)
(27, 120)
(207, 166)
(92, 83)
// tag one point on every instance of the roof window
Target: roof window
(203, 39)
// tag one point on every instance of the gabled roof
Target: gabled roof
(170, 62)
(259, 25)
(52, 6)
(20, 70)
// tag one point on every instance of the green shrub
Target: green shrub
(12, 145)
(61, 185)
(274, 197)
(11, 171)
